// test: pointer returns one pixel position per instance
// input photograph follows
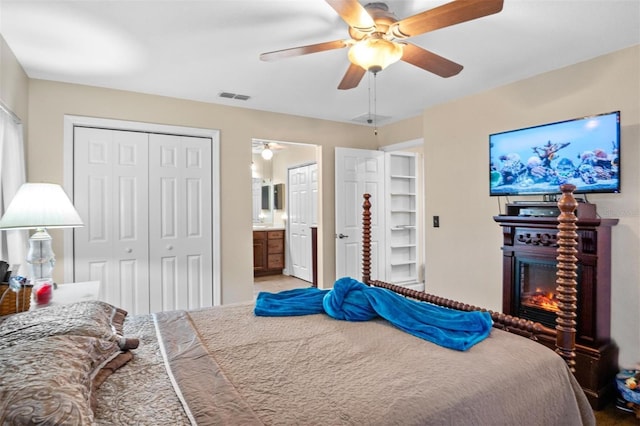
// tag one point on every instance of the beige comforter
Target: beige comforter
(227, 366)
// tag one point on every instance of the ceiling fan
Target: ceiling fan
(374, 32)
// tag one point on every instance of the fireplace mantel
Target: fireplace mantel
(531, 239)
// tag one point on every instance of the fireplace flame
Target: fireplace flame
(541, 300)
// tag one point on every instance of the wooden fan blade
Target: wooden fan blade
(303, 50)
(354, 14)
(448, 14)
(429, 61)
(352, 77)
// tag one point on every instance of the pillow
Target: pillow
(89, 318)
(52, 380)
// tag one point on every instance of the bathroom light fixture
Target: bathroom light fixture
(267, 154)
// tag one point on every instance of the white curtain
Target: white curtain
(13, 244)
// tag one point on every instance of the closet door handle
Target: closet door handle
(169, 247)
(128, 250)
(341, 236)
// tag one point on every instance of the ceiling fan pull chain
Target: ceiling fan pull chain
(375, 105)
(369, 100)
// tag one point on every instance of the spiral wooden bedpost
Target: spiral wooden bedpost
(527, 328)
(366, 239)
(566, 276)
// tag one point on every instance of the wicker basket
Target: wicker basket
(9, 305)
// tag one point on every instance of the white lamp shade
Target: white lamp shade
(40, 205)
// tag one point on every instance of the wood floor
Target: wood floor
(610, 416)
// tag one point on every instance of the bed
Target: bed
(90, 363)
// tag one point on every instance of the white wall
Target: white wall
(464, 261)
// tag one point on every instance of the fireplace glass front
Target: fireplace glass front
(536, 294)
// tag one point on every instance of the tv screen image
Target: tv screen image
(537, 160)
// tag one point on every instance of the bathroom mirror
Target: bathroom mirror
(262, 201)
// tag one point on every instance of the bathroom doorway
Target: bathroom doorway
(285, 198)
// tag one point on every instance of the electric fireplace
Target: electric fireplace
(535, 293)
(529, 253)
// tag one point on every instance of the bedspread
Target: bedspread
(314, 370)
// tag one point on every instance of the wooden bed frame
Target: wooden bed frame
(564, 332)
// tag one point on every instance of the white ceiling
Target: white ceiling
(198, 49)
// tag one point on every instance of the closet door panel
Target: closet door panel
(194, 208)
(97, 201)
(92, 158)
(195, 279)
(130, 212)
(170, 288)
(168, 201)
(110, 187)
(180, 234)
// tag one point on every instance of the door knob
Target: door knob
(128, 250)
(341, 236)
(169, 247)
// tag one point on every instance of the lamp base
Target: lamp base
(40, 257)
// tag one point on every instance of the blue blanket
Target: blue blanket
(352, 300)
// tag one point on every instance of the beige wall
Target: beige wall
(50, 101)
(401, 131)
(14, 83)
(456, 187)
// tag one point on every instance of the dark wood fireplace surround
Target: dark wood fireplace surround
(534, 239)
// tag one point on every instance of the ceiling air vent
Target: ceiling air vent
(229, 95)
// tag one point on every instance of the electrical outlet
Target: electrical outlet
(436, 221)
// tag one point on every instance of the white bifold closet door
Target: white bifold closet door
(146, 202)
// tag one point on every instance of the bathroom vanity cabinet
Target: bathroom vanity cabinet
(268, 252)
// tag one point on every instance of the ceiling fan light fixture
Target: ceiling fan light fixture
(267, 154)
(375, 53)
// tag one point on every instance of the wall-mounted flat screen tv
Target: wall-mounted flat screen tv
(537, 160)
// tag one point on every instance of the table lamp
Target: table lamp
(40, 206)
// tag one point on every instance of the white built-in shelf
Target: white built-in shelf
(404, 262)
(401, 218)
(402, 227)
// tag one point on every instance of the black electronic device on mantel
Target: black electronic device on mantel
(537, 160)
(540, 211)
(547, 209)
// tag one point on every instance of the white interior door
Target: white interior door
(313, 183)
(180, 222)
(111, 196)
(301, 215)
(358, 171)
